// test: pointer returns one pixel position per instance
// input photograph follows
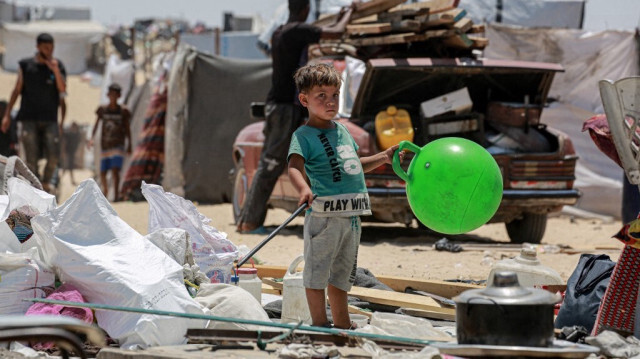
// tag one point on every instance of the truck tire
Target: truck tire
(529, 229)
(240, 189)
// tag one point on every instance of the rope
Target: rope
(292, 327)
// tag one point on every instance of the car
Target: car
(507, 99)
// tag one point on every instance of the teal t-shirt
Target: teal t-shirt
(334, 170)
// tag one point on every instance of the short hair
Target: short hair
(296, 6)
(316, 75)
(44, 38)
(115, 87)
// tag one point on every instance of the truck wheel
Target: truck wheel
(529, 229)
(240, 188)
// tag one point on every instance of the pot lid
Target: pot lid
(507, 290)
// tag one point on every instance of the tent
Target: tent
(587, 57)
(208, 104)
(73, 41)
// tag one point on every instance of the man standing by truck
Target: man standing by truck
(283, 112)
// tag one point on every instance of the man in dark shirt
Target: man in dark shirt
(41, 85)
(283, 112)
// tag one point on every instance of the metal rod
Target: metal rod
(273, 234)
(342, 332)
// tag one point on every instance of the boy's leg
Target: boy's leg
(115, 174)
(30, 139)
(339, 307)
(103, 182)
(317, 306)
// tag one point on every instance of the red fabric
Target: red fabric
(598, 128)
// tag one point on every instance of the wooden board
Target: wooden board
(381, 40)
(367, 29)
(267, 289)
(446, 18)
(432, 5)
(400, 284)
(426, 314)
(362, 10)
(460, 41)
(463, 25)
(437, 287)
(365, 20)
(405, 26)
(355, 310)
(479, 42)
(476, 29)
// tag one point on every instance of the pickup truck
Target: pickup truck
(508, 97)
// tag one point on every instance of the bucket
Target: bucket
(392, 126)
(531, 273)
(294, 300)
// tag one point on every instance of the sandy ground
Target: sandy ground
(385, 248)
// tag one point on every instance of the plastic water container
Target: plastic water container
(528, 268)
(392, 126)
(249, 281)
(294, 298)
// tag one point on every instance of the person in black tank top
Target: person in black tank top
(41, 86)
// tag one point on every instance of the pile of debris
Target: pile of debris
(428, 28)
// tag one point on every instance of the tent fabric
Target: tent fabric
(73, 40)
(587, 57)
(209, 103)
(528, 13)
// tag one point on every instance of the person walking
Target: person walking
(41, 86)
(283, 112)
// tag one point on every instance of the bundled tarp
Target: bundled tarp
(209, 102)
(73, 41)
(587, 57)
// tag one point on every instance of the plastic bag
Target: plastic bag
(110, 263)
(212, 251)
(23, 276)
(402, 326)
(26, 202)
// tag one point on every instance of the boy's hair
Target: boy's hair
(115, 88)
(44, 38)
(316, 75)
(296, 6)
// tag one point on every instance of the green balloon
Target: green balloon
(453, 185)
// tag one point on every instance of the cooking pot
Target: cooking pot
(505, 313)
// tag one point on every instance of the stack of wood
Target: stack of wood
(390, 22)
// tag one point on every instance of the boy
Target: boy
(115, 130)
(324, 150)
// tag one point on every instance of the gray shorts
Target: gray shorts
(330, 251)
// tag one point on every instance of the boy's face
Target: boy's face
(321, 101)
(113, 96)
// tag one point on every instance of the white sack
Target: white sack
(231, 301)
(401, 326)
(110, 263)
(212, 251)
(22, 276)
(29, 200)
(172, 241)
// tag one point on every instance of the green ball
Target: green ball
(453, 185)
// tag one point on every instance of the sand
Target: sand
(389, 249)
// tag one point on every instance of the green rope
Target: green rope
(292, 327)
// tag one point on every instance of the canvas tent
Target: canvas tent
(209, 102)
(73, 41)
(587, 57)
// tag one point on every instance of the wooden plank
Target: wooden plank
(365, 20)
(398, 299)
(272, 283)
(381, 40)
(267, 289)
(367, 29)
(446, 18)
(400, 284)
(389, 16)
(432, 5)
(434, 34)
(463, 25)
(437, 287)
(355, 310)
(461, 41)
(479, 42)
(427, 314)
(405, 26)
(476, 29)
(362, 10)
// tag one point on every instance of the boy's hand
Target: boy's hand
(388, 153)
(305, 197)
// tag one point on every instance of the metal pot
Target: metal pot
(505, 314)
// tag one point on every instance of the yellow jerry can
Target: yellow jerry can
(392, 126)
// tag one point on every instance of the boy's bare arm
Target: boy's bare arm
(370, 163)
(93, 132)
(296, 174)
